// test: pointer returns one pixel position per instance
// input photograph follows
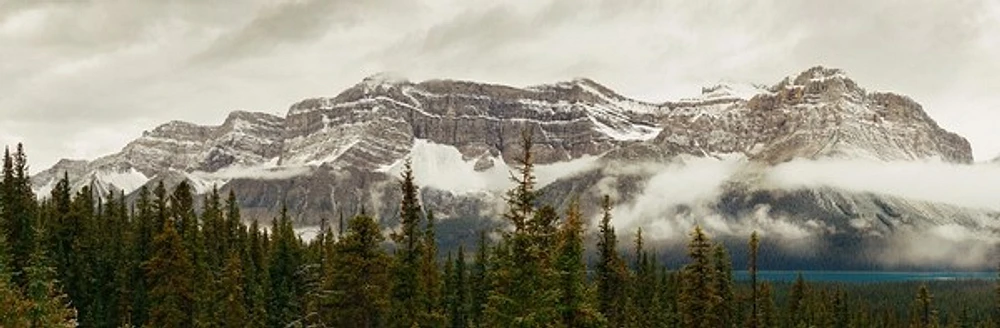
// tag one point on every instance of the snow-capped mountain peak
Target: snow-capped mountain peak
(336, 149)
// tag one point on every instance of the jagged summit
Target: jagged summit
(344, 148)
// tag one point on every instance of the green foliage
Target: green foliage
(700, 294)
(100, 261)
(170, 275)
(360, 281)
(611, 274)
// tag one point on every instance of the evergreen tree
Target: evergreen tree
(361, 280)
(754, 246)
(611, 273)
(408, 295)
(284, 301)
(48, 306)
(234, 313)
(17, 215)
(432, 284)
(797, 302)
(170, 272)
(699, 295)
(256, 277)
(13, 307)
(926, 315)
(141, 240)
(524, 292)
(479, 282)
(723, 286)
(574, 305)
(458, 310)
(768, 311)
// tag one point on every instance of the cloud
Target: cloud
(950, 246)
(109, 64)
(286, 22)
(974, 186)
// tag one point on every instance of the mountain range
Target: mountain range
(720, 159)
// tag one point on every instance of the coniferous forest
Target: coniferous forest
(80, 259)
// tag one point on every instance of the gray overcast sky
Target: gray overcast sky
(80, 79)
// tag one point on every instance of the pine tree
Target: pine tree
(768, 311)
(432, 284)
(754, 319)
(48, 306)
(361, 280)
(797, 302)
(644, 302)
(169, 272)
(256, 280)
(699, 295)
(479, 282)
(723, 286)
(611, 274)
(926, 315)
(283, 304)
(574, 306)
(142, 240)
(408, 295)
(17, 215)
(13, 307)
(524, 292)
(458, 311)
(233, 303)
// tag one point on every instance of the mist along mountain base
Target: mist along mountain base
(78, 259)
(814, 161)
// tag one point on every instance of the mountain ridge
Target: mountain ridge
(336, 154)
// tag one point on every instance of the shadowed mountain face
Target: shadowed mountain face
(332, 155)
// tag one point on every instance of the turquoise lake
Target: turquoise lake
(865, 276)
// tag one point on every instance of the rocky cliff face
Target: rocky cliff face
(819, 113)
(334, 154)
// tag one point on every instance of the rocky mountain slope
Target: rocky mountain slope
(332, 155)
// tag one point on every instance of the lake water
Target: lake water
(864, 276)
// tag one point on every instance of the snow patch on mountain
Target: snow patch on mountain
(125, 181)
(728, 91)
(443, 167)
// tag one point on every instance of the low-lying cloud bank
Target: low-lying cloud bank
(975, 186)
(677, 196)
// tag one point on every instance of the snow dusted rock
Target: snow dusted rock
(819, 113)
(335, 154)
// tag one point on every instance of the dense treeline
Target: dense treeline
(96, 261)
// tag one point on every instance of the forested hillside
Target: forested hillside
(70, 259)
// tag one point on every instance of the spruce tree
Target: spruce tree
(926, 315)
(575, 308)
(256, 282)
(699, 295)
(610, 274)
(458, 309)
(233, 301)
(723, 286)
(408, 295)
(797, 302)
(170, 272)
(361, 280)
(13, 306)
(768, 311)
(479, 282)
(143, 232)
(17, 215)
(284, 302)
(754, 246)
(48, 306)
(432, 313)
